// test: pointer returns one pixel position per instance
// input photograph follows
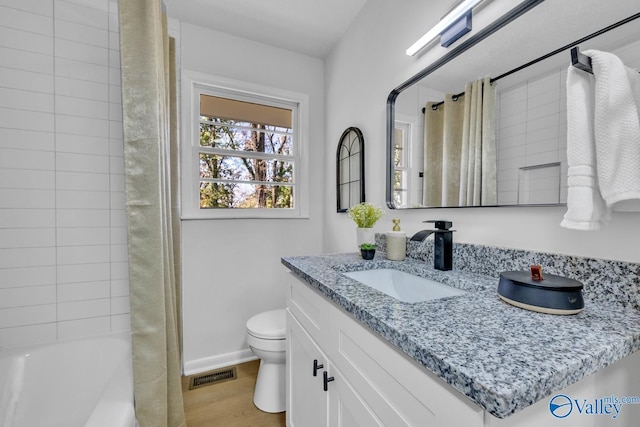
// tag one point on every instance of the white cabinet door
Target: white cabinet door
(346, 407)
(307, 402)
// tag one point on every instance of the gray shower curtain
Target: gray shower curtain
(149, 119)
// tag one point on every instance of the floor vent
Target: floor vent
(212, 377)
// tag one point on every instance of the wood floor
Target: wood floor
(229, 403)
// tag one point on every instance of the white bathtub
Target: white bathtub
(86, 382)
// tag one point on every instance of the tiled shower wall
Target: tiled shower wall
(532, 134)
(63, 240)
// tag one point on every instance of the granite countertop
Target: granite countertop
(502, 357)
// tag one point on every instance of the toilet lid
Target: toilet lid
(268, 325)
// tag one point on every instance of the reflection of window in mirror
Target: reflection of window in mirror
(350, 169)
(401, 182)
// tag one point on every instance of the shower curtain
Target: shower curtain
(149, 119)
(460, 149)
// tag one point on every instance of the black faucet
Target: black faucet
(442, 243)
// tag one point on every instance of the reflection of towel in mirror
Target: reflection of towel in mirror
(586, 210)
(603, 141)
(617, 130)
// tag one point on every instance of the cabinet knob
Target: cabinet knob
(316, 367)
(327, 380)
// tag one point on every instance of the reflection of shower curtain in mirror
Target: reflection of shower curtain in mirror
(460, 149)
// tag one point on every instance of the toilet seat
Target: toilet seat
(269, 325)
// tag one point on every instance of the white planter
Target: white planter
(365, 235)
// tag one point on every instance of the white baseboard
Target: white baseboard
(205, 364)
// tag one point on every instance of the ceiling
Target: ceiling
(310, 27)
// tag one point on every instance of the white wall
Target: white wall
(231, 268)
(63, 247)
(361, 71)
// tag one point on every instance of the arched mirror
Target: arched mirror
(521, 60)
(350, 169)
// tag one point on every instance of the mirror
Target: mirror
(350, 169)
(525, 55)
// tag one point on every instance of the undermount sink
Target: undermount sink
(404, 286)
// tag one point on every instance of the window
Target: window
(245, 154)
(401, 184)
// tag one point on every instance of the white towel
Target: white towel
(586, 210)
(617, 130)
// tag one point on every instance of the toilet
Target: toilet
(266, 336)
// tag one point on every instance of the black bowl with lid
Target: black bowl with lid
(552, 295)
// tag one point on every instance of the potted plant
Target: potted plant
(367, 250)
(365, 215)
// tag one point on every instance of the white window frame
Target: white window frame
(195, 83)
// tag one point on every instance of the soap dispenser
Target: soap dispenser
(396, 242)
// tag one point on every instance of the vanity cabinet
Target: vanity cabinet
(368, 382)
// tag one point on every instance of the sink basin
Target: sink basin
(404, 286)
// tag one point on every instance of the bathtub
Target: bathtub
(86, 382)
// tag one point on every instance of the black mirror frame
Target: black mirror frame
(359, 138)
(514, 13)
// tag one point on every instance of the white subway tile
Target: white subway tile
(25, 178)
(25, 335)
(27, 257)
(27, 159)
(25, 61)
(81, 70)
(120, 288)
(81, 125)
(80, 144)
(82, 218)
(71, 162)
(25, 218)
(82, 181)
(82, 33)
(83, 291)
(79, 236)
(116, 130)
(82, 53)
(27, 276)
(83, 273)
(26, 21)
(73, 310)
(25, 40)
(116, 165)
(120, 323)
(21, 119)
(20, 79)
(115, 112)
(117, 200)
(66, 199)
(116, 183)
(120, 305)
(81, 89)
(119, 270)
(69, 255)
(119, 252)
(114, 59)
(26, 199)
(32, 315)
(27, 237)
(84, 13)
(119, 219)
(79, 107)
(27, 139)
(73, 329)
(26, 100)
(28, 296)
(40, 7)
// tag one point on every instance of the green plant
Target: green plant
(365, 214)
(367, 246)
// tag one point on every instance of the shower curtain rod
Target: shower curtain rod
(582, 62)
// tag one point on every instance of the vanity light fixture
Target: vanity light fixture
(455, 15)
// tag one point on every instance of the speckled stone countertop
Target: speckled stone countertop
(502, 357)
